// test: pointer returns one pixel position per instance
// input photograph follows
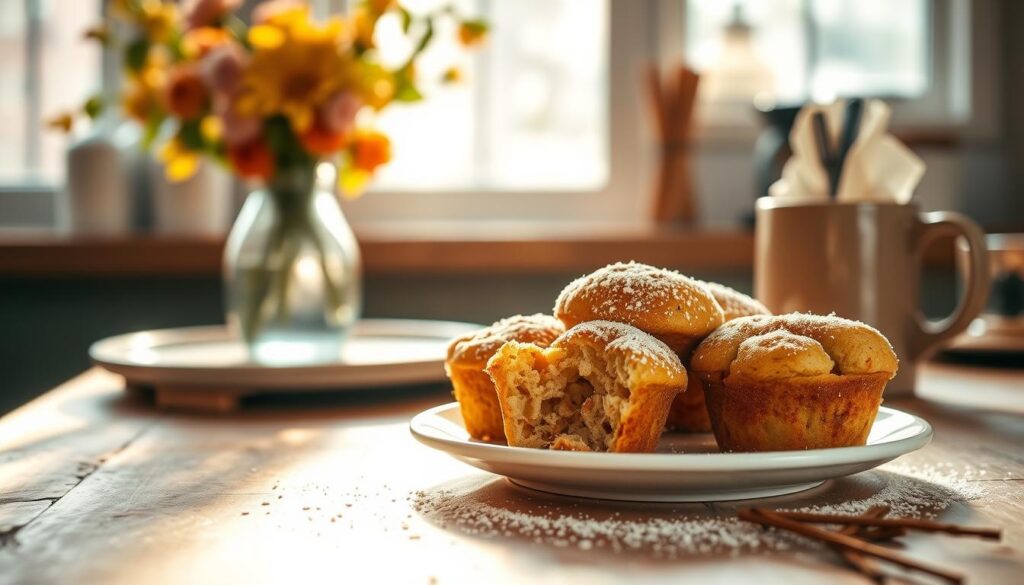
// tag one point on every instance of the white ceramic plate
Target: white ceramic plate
(378, 352)
(686, 468)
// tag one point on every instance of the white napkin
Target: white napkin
(877, 168)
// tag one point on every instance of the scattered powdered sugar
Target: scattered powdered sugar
(665, 531)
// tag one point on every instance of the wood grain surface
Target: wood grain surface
(97, 487)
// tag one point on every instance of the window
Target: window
(818, 49)
(531, 113)
(790, 51)
(549, 121)
(45, 66)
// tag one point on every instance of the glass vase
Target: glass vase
(292, 272)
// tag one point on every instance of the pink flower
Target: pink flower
(338, 113)
(238, 129)
(222, 68)
(268, 9)
(207, 12)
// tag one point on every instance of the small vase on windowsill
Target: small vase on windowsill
(292, 272)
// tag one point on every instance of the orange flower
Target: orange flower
(197, 42)
(370, 150)
(321, 141)
(186, 95)
(252, 160)
(472, 32)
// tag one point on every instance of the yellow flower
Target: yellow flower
(212, 128)
(452, 75)
(296, 65)
(143, 96)
(364, 22)
(158, 19)
(352, 182)
(180, 163)
(376, 85)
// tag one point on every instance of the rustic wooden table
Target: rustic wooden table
(96, 487)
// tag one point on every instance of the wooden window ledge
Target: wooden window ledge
(392, 249)
(396, 249)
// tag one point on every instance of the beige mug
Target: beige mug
(863, 261)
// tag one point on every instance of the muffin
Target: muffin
(601, 386)
(678, 310)
(467, 357)
(689, 414)
(793, 382)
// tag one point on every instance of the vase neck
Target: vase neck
(292, 189)
(298, 182)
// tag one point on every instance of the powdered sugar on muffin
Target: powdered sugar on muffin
(479, 346)
(659, 301)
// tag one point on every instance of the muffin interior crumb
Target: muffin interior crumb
(570, 402)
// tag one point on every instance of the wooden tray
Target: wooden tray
(206, 368)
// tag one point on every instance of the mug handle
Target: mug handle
(928, 333)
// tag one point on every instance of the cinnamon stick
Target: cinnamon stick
(845, 542)
(904, 523)
(867, 566)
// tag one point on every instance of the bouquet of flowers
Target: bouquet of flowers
(272, 99)
(265, 97)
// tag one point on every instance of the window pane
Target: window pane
(12, 89)
(66, 70)
(532, 113)
(870, 47)
(816, 49)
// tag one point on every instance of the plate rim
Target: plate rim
(671, 462)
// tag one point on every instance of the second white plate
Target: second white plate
(686, 468)
(379, 352)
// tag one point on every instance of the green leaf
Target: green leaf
(406, 91)
(406, 19)
(191, 136)
(425, 40)
(477, 26)
(94, 106)
(135, 55)
(151, 129)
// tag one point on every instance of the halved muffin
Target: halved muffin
(793, 382)
(602, 386)
(467, 357)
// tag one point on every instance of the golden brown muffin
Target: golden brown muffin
(601, 386)
(793, 381)
(689, 414)
(678, 310)
(467, 357)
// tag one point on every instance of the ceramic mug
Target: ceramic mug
(863, 261)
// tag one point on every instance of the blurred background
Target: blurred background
(536, 165)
